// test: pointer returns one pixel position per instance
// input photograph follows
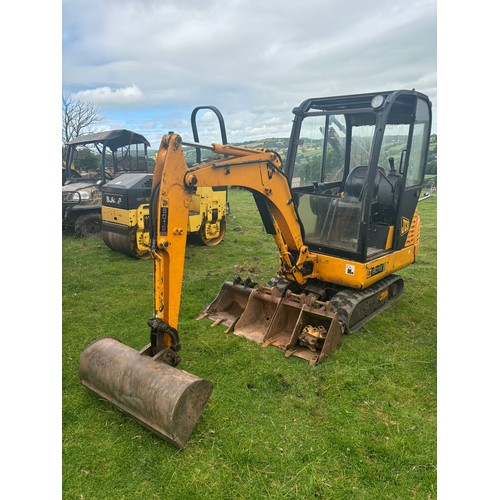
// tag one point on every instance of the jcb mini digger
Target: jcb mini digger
(343, 214)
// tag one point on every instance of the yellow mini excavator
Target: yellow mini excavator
(343, 214)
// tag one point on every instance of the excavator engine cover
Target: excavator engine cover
(164, 399)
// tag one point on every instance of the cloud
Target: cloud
(106, 96)
(253, 60)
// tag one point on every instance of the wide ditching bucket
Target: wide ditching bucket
(164, 399)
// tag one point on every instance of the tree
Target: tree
(78, 118)
(431, 166)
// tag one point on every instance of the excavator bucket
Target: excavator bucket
(229, 304)
(283, 323)
(316, 333)
(301, 326)
(304, 327)
(258, 313)
(160, 397)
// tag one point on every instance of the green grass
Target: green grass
(361, 425)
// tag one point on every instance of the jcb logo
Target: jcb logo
(405, 225)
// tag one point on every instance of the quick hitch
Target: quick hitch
(164, 338)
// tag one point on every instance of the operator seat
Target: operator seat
(383, 207)
(383, 188)
(355, 181)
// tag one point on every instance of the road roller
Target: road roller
(125, 215)
(125, 204)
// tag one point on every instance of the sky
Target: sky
(147, 63)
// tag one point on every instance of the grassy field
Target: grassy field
(361, 425)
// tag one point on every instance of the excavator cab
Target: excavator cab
(356, 168)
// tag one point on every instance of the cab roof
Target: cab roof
(113, 139)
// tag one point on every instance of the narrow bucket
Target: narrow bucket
(283, 323)
(165, 400)
(228, 306)
(259, 311)
(316, 333)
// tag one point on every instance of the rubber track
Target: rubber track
(347, 303)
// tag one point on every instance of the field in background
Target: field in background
(361, 425)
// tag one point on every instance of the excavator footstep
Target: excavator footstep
(164, 399)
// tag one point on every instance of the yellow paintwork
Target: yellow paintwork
(352, 274)
(202, 203)
(142, 234)
(413, 238)
(131, 219)
(390, 238)
(260, 171)
(119, 216)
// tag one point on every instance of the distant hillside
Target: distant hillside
(277, 144)
(280, 146)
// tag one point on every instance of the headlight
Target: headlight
(79, 195)
(72, 197)
(84, 195)
(377, 101)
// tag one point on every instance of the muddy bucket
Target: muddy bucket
(228, 306)
(283, 323)
(165, 400)
(316, 333)
(259, 311)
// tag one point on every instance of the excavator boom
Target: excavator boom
(173, 182)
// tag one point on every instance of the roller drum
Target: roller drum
(166, 400)
(121, 239)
